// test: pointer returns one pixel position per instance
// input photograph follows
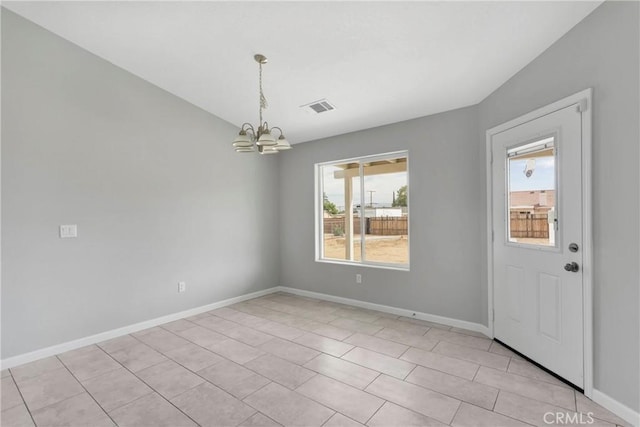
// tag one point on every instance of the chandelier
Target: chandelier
(249, 137)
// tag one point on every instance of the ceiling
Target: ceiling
(377, 62)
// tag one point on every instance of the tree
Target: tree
(400, 198)
(329, 206)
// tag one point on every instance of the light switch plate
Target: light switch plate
(68, 231)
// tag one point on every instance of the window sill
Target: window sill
(396, 267)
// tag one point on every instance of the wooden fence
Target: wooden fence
(336, 226)
(388, 226)
(529, 225)
(382, 226)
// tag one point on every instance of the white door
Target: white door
(537, 243)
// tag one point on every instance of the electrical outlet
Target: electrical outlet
(182, 287)
(358, 278)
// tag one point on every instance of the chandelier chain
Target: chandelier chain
(263, 100)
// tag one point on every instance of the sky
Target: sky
(543, 177)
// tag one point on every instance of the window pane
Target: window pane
(341, 195)
(532, 193)
(386, 211)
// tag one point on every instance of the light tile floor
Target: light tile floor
(288, 360)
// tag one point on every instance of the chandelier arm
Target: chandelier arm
(280, 130)
(248, 125)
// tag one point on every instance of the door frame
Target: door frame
(583, 100)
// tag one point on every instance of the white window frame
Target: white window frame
(319, 214)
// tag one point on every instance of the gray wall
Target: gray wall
(448, 195)
(445, 199)
(157, 192)
(600, 52)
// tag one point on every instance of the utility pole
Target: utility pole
(371, 197)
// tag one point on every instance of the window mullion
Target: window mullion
(362, 215)
(320, 187)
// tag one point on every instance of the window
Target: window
(363, 211)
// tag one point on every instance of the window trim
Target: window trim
(319, 216)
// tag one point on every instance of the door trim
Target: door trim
(584, 101)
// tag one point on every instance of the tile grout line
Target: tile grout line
(295, 390)
(292, 341)
(341, 381)
(134, 400)
(265, 332)
(455, 413)
(85, 390)
(226, 335)
(439, 370)
(24, 402)
(249, 369)
(399, 318)
(371, 382)
(239, 364)
(495, 402)
(562, 386)
(257, 390)
(476, 374)
(292, 314)
(302, 318)
(522, 395)
(193, 372)
(504, 415)
(384, 402)
(410, 372)
(468, 360)
(458, 398)
(423, 387)
(460, 402)
(154, 390)
(405, 352)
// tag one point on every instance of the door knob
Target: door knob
(572, 266)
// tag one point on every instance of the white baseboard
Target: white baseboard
(114, 333)
(599, 397)
(616, 407)
(477, 327)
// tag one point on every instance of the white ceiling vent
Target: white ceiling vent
(319, 106)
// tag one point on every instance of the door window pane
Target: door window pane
(532, 201)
